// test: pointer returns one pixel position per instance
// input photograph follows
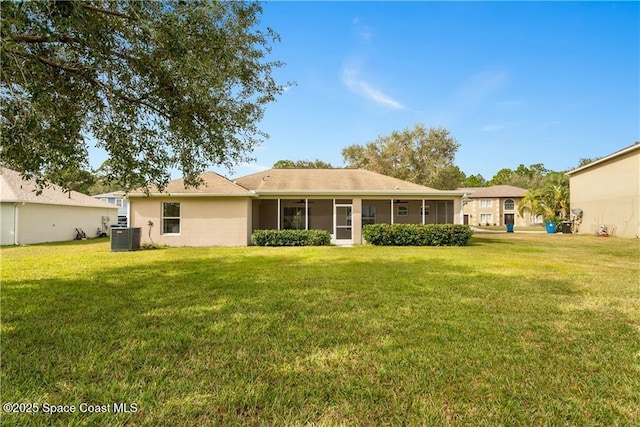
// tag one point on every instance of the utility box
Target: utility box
(125, 239)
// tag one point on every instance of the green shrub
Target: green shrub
(291, 238)
(417, 234)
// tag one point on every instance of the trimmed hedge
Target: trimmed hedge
(291, 238)
(417, 234)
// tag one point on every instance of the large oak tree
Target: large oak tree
(157, 84)
(420, 155)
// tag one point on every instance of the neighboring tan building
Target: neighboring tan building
(225, 213)
(51, 216)
(608, 193)
(496, 205)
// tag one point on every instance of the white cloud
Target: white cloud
(480, 86)
(350, 77)
(364, 32)
(254, 167)
(492, 128)
(510, 104)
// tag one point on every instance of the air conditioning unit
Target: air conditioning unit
(125, 239)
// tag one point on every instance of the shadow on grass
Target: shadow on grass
(480, 240)
(280, 338)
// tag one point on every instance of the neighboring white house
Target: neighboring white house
(51, 216)
(607, 192)
(117, 198)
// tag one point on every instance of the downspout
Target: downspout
(391, 211)
(278, 213)
(128, 210)
(15, 223)
(306, 214)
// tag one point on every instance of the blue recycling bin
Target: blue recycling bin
(551, 227)
(509, 228)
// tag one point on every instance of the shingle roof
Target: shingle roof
(213, 184)
(310, 181)
(297, 181)
(494, 191)
(13, 188)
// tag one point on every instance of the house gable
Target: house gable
(212, 184)
(607, 192)
(14, 188)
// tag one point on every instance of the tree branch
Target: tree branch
(48, 62)
(106, 12)
(30, 38)
(83, 72)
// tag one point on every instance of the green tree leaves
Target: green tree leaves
(302, 164)
(158, 85)
(551, 199)
(420, 155)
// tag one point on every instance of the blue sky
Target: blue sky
(526, 82)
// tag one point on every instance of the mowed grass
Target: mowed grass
(513, 329)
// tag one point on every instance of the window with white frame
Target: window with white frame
(509, 205)
(119, 202)
(402, 210)
(486, 219)
(536, 219)
(425, 210)
(170, 218)
(486, 203)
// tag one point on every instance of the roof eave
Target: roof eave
(389, 193)
(77, 205)
(156, 195)
(633, 147)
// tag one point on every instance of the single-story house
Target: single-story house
(222, 212)
(607, 192)
(496, 205)
(119, 199)
(27, 217)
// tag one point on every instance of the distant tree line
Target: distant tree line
(426, 157)
(420, 155)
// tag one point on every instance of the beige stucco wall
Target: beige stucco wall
(609, 194)
(208, 221)
(220, 221)
(38, 223)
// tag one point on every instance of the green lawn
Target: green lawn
(511, 330)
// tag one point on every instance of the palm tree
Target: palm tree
(556, 195)
(551, 200)
(532, 202)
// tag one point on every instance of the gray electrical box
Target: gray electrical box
(125, 239)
